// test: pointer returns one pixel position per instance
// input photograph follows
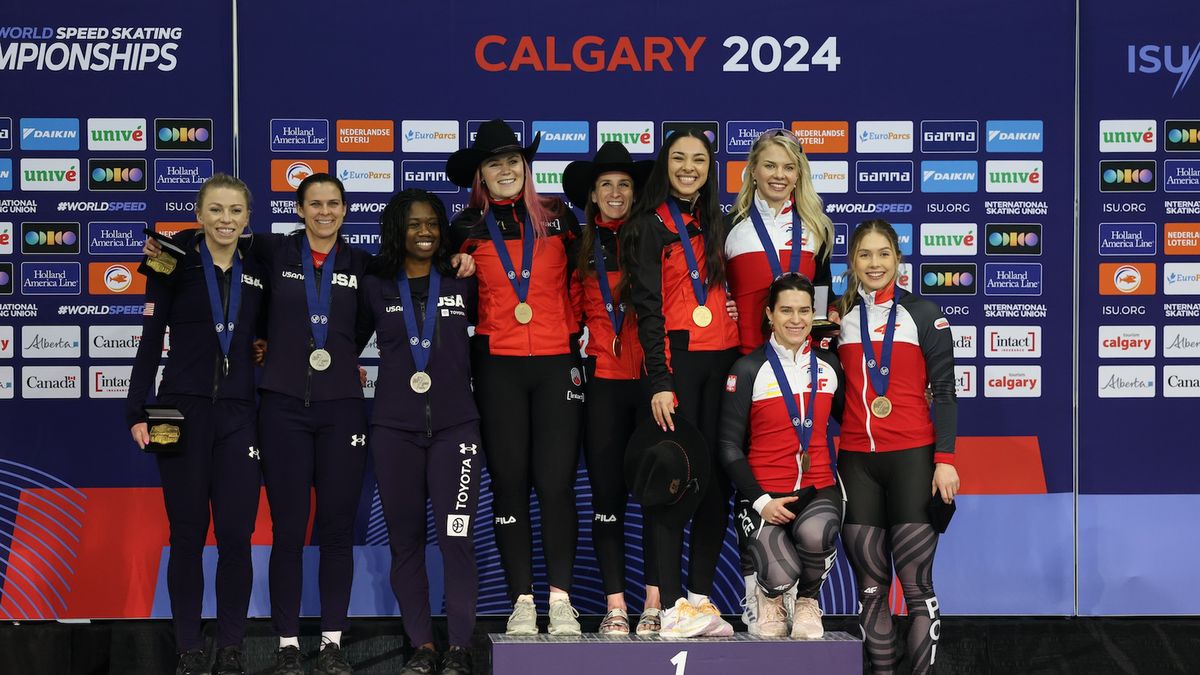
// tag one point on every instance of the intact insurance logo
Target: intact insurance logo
(1012, 381)
(883, 176)
(116, 238)
(45, 238)
(6, 174)
(1126, 342)
(1012, 342)
(1128, 136)
(50, 175)
(740, 135)
(965, 385)
(570, 136)
(1178, 135)
(1181, 279)
(286, 174)
(116, 133)
(1125, 381)
(1181, 175)
(949, 136)
(949, 239)
(518, 127)
(426, 174)
(949, 176)
(181, 175)
(112, 175)
(637, 137)
(883, 137)
(1005, 175)
(109, 381)
(1023, 279)
(428, 135)
(372, 175)
(299, 135)
(1014, 135)
(1118, 175)
(1128, 239)
(1128, 278)
(547, 176)
(50, 342)
(948, 279)
(1013, 238)
(1163, 61)
(183, 134)
(830, 177)
(50, 382)
(49, 133)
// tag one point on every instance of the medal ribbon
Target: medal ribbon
(879, 371)
(616, 311)
(223, 319)
(769, 246)
(420, 344)
(520, 283)
(319, 301)
(698, 287)
(802, 427)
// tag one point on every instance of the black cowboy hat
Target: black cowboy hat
(580, 176)
(667, 471)
(494, 137)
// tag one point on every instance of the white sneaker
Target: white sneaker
(523, 620)
(789, 604)
(750, 602)
(564, 619)
(682, 620)
(772, 617)
(717, 625)
(806, 623)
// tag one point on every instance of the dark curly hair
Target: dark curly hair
(393, 229)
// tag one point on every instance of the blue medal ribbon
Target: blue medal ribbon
(879, 370)
(223, 319)
(698, 287)
(520, 283)
(803, 426)
(768, 244)
(319, 301)
(420, 344)
(616, 311)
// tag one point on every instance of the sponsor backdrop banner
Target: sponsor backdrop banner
(1139, 319)
(977, 173)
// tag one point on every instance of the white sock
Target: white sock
(289, 642)
(528, 597)
(559, 595)
(334, 636)
(697, 599)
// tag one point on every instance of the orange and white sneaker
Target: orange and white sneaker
(682, 620)
(806, 622)
(717, 626)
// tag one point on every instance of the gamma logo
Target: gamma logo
(948, 279)
(110, 175)
(41, 238)
(183, 134)
(1177, 60)
(950, 136)
(426, 174)
(883, 176)
(1179, 135)
(1128, 175)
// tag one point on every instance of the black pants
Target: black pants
(530, 408)
(613, 410)
(218, 468)
(445, 468)
(323, 446)
(699, 380)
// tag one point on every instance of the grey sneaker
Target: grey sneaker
(564, 619)
(523, 620)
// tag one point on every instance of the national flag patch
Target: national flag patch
(148, 310)
(731, 383)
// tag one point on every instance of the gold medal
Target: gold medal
(420, 382)
(163, 263)
(881, 407)
(702, 316)
(523, 312)
(617, 346)
(805, 462)
(164, 434)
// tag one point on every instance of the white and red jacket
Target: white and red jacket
(922, 355)
(750, 274)
(757, 443)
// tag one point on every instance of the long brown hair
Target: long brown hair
(864, 228)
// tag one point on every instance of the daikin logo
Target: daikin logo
(569, 136)
(1153, 59)
(1014, 136)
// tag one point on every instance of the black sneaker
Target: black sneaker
(423, 662)
(331, 661)
(192, 662)
(229, 662)
(456, 661)
(287, 661)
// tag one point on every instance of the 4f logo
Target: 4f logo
(253, 454)
(357, 440)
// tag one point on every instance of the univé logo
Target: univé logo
(53, 175)
(1154, 59)
(1127, 136)
(116, 133)
(1014, 176)
(183, 134)
(637, 137)
(547, 175)
(1127, 278)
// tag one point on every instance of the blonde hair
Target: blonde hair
(866, 227)
(222, 180)
(808, 202)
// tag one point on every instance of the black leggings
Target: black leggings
(801, 552)
(699, 382)
(529, 408)
(614, 408)
(887, 526)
